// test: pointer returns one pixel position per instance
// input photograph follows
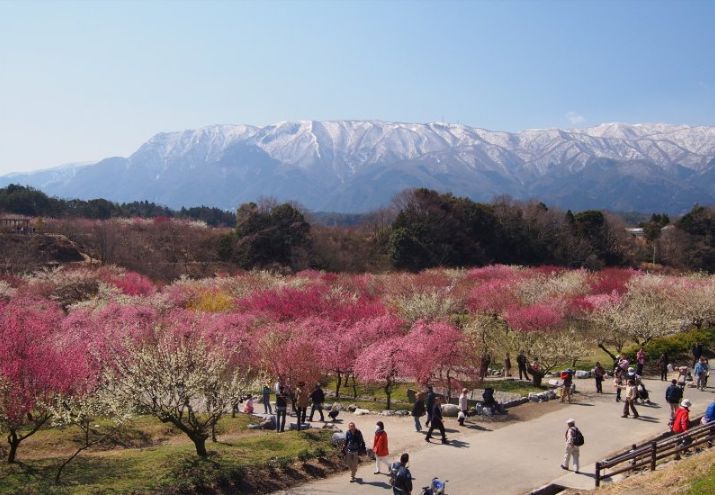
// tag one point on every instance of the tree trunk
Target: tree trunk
(14, 442)
(355, 394)
(449, 386)
(337, 386)
(213, 433)
(603, 348)
(388, 393)
(200, 444)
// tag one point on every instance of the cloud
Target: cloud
(575, 118)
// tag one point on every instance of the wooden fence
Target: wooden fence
(646, 455)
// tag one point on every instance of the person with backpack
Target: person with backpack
(400, 477)
(673, 396)
(266, 396)
(418, 410)
(281, 410)
(566, 388)
(354, 447)
(574, 440)
(429, 404)
(436, 421)
(379, 447)
(317, 397)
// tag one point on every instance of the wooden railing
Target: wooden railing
(647, 455)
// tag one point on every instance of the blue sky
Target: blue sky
(85, 80)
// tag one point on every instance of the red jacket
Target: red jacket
(379, 444)
(682, 417)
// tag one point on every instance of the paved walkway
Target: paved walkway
(518, 457)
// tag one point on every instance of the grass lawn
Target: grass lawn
(158, 460)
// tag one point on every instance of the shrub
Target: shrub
(678, 346)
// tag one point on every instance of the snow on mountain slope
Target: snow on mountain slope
(353, 165)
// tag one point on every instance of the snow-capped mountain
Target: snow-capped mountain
(355, 166)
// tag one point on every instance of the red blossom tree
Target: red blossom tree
(33, 369)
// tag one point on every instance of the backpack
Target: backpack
(394, 469)
(400, 478)
(577, 437)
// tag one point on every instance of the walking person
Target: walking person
(521, 363)
(266, 398)
(418, 410)
(618, 382)
(567, 377)
(681, 423)
(302, 400)
(354, 447)
(463, 406)
(574, 440)
(317, 397)
(640, 361)
(429, 404)
(507, 365)
(402, 484)
(436, 421)
(598, 374)
(629, 401)
(700, 374)
(663, 366)
(281, 410)
(673, 396)
(379, 447)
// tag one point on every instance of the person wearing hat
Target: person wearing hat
(629, 401)
(682, 417)
(572, 450)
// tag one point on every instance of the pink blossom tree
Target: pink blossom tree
(382, 363)
(33, 370)
(438, 352)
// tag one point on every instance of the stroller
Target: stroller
(436, 487)
(643, 394)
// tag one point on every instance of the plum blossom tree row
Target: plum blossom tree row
(80, 343)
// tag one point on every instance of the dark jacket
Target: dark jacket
(403, 480)
(354, 443)
(437, 413)
(521, 360)
(318, 396)
(673, 394)
(419, 409)
(430, 400)
(281, 400)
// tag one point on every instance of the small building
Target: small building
(12, 223)
(636, 231)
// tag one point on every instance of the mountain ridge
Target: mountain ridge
(357, 165)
